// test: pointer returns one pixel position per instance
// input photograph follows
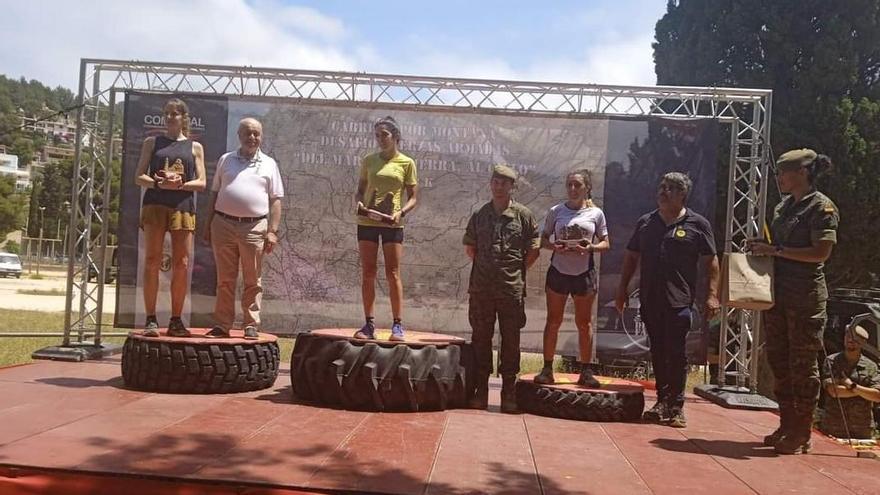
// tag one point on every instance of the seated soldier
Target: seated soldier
(855, 381)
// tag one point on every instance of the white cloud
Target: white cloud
(303, 19)
(619, 62)
(42, 44)
(45, 40)
(626, 62)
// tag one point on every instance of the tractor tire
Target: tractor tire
(331, 368)
(199, 365)
(617, 400)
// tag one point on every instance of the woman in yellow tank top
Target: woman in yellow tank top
(384, 175)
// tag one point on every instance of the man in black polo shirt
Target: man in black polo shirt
(670, 243)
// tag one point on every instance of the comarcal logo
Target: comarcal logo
(158, 122)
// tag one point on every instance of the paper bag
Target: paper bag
(747, 281)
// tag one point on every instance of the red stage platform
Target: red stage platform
(71, 428)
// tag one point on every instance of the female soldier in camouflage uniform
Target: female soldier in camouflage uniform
(803, 232)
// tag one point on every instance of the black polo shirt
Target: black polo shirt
(669, 257)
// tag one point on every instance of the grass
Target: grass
(35, 276)
(17, 350)
(42, 292)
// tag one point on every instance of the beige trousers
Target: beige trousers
(238, 244)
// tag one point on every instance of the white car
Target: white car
(10, 265)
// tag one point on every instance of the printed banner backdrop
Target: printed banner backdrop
(312, 279)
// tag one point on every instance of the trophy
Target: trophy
(162, 175)
(380, 212)
(572, 236)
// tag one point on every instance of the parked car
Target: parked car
(10, 265)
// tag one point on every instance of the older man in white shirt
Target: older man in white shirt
(243, 226)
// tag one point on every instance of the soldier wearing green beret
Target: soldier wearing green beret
(503, 241)
(852, 384)
(802, 234)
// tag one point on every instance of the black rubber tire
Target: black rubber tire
(581, 405)
(377, 377)
(161, 366)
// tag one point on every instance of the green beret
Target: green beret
(504, 172)
(796, 158)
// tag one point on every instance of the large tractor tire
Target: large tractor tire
(423, 373)
(199, 365)
(616, 400)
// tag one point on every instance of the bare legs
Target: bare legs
(393, 252)
(583, 319)
(369, 253)
(181, 246)
(154, 239)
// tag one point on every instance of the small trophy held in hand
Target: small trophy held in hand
(162, 175)
(572, 236)
(380, 212)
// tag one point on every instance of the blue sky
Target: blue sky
(573, 41)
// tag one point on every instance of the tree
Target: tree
(53, 194)
(822, 61)
(11, 206)
(12, 247)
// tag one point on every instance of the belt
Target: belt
(239, 219)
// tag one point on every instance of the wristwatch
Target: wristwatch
(852, 386)
(777, 249)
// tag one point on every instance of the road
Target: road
(54, 279)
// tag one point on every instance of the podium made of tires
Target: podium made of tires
(615, 400)
(426, 371)
(199, 364)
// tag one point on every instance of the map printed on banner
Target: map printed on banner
(312, 279)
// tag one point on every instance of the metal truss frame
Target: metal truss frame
(747, 111)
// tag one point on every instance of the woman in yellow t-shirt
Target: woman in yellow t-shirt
(383, 177)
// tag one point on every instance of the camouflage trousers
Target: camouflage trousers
(793, 342)
(858, 421)
(483, 310)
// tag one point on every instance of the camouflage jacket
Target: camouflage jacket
(502, 241)
(797, 225)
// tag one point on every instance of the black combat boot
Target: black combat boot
(508, 394)
(480, 400)
(785, 412)
(797, 439)
(545, 377)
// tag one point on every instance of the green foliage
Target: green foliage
(12, 247)
(11, 205)
(31, 98)
(822, 61)
(51, 191)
